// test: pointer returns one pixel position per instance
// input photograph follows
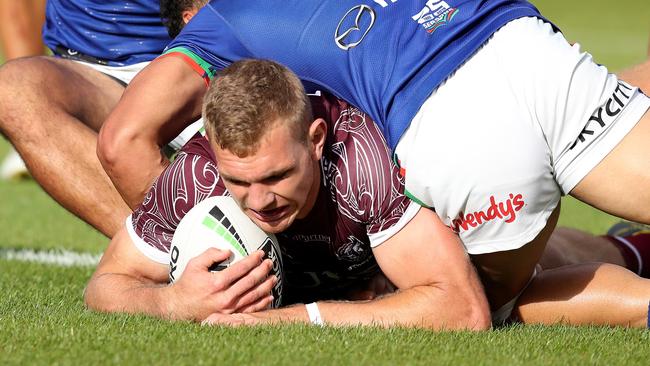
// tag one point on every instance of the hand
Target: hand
(244, 286)
(232, 320)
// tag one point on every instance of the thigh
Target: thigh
(620, 183)
(638, 75)
(57, 84)
(586, 294)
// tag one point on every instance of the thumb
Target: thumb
(209, 257)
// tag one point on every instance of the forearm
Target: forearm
(119, 293)
(419, 307)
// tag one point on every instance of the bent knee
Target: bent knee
(18, 73)
(23, 90)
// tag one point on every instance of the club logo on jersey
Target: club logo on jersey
(506, 211)
(354, 250)
(434, 15)
(354, 26)
(606, 114)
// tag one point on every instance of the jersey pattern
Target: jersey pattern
(117, 33)
(328, 251)
(385, 57)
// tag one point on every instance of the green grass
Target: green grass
(43, 320)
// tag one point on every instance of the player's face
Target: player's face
(279, 182)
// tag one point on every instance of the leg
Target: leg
(620, 183)
(20, 36)
(50, 109)
(571, 246)
(638, 75)
(20, 28)
(586, 294)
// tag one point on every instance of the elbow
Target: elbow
(462, 312)
(113, 145)
(468, 317)
(96, 299)
(475, 312)
(90, 296)
(478, 319)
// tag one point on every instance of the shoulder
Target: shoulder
(358, 168)
(190, 179)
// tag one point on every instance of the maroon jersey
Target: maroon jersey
(361, 203)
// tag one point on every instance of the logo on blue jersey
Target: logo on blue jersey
(434, 15)
(354, 26)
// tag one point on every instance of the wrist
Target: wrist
(313, 312)
(167, 304)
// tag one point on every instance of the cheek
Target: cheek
(294, 189)
(303, 186)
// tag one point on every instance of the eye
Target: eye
(276, 178)
(236, 182)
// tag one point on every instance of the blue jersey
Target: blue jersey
(384, 56)
(115, 33)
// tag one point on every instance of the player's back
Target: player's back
(115, 33)
(385, 57)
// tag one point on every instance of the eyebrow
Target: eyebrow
(272, 174)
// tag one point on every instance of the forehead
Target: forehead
(277, 150)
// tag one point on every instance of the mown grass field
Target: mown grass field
(43, 320)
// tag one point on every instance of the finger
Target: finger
(257, 293)
(209, 257)
(212, 319)
(223, 319)
(235, 271)
(262, 304)
(255, 277)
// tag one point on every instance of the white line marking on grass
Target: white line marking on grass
(63, 258)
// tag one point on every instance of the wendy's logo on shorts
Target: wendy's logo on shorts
(506, 210)
(606, 114)
(434, 15)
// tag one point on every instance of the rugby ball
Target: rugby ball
(219, 222)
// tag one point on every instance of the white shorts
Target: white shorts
(518, 125)
(125, 74)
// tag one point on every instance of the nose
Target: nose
(259, 197)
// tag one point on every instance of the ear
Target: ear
(317, 137)
(189, 14)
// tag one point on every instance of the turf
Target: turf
(43, 320)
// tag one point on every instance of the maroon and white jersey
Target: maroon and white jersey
(360, 205)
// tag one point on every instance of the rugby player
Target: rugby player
(327, 251)
(20, 36)
(327, 186)
(57, 104)
(545, 120)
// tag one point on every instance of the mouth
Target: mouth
(272, 215)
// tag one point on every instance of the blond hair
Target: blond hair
(249, 98)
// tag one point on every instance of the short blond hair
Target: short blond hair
(249, 98)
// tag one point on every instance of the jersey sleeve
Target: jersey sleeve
(190, 179)
(368, 184)
(208, 44)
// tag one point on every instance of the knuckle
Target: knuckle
(219, 282)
